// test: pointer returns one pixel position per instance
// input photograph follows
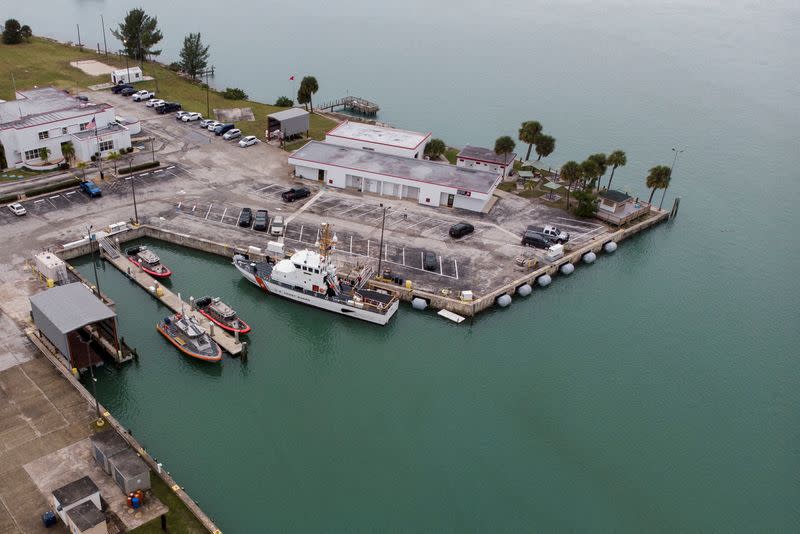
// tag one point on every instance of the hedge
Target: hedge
(141, 167)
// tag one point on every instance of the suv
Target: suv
(536, 240)
(295, 193)
(168, 107)
(276, 228)
(119, 87)
(429, 261)
(223, 128)
(550, 232)
(127, 91)
(461, 229)
(246, 218)
(262, 220)
(91, 189)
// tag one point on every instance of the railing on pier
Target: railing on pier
(352, 103)
(109, 247)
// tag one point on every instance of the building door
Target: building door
(450, 199)
(321, 175)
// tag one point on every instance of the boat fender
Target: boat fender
(524, 290)
(504, 300)
(610, 247)
(419, 304)
(589, 257)
(544, 280)
(567, 269)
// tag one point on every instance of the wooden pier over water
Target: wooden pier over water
(116, 258)
(352, 103)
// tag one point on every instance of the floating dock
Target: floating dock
(352, 103)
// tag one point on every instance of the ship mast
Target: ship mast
(326, 242)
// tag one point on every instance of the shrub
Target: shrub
(284, 102)
(234, 93)
(143, 166)
(174, 66)
(94, 158)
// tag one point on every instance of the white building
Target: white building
(429, 183)
(485, 159)
(49, 118)
(379, 139)
(129, 75)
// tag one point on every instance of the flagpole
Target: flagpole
(99, 154)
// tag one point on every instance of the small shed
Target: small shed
(105, 445)
(76, 492)
(289, 122)
(129, 75)
(129, 471)
(613, 200)
(486, 159)
(61, 313)
(86, 518)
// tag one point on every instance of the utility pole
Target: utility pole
(380, 249)
(133, 190)
(152, 148)
(103, 23)
(80, 45)
(674, 161)
(94, 380)
(94, 264)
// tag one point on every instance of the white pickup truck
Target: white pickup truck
(550, 232)
(144, 94)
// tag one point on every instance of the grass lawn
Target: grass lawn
(451, 154)
(42, 62)
(12, 175)
(179, 518)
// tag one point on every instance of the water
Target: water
(655, 390)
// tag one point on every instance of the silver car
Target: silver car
(232, 134)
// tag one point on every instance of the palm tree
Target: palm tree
(308, 86)
(571, 172)
(44, 153)
(530, 185)
(435, 148)
(545, 145)
(657, 179)
(68, 151)
(504, 146)
(601, 161)
(615, 159)
(113, 156)
(528, 132)
(82, 166)
(590, 170)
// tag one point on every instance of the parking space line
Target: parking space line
(158, 171)
(441, 271)
(455, 264)
(145, 174)
(171, 167)
(223, 214)
(209, 211)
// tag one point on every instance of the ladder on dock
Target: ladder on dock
(109, 248)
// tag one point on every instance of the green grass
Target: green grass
(507, 186)
(179, 518)
(451, 154)
(42, 62)
(6, 176)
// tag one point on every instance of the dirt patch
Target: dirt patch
(234, 114)
(92, 67)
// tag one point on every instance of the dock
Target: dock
(115, 257)
(352, 103)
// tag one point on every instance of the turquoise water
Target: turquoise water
(656, 390)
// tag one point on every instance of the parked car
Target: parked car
(17, 209)
(429, 261)
(191, 116)
(205, 123)
(261, 221)
(461, 229)
(295, 193)
(233, 133)
(213, 125)
(248, 141)
(154, 103)
(144, 94)
(276, 228)
(168, 107)
(550, 232)
(179, 115)
(119, 87)
(82, 98)
(128, 91)
(91, 189)
(246, 218)
(536, 240)
(222, 129)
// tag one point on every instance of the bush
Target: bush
(63, 166)
(143, 166)
(284, 102)
(94, 158)
(234, 93)
(174, 66)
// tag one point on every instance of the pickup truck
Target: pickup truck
(550, 232)
(91, 189)
(143, 95)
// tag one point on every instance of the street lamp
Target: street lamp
(380, 249)
(133, 190)
(674, 160)
(94, 264)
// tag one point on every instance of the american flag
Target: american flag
(91, 125)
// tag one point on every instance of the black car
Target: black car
(246, 218)
(461, 229)
(429, 261)
(295, 193)
(127, 91)
(117, 89)
(536, 240)
(222, 128)
(168, 107)
(262, 221)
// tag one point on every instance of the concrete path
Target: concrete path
(291, 217)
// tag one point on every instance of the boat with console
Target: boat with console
(148, 261)
(189, 337)
(221, 314)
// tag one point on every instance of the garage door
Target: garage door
(411, 192)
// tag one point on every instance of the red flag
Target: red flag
(291, 78)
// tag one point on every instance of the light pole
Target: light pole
(133, 190)
(674, 161)
(380, 249)
(125, 43)
(94, 264)
(91, 373)
(103, 24)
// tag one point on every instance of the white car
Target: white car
(205, 122)
(179, 115)
(191, 116)
(17, 209)
(142, 95)
(154, 103)
(232, 134)
(276, 228)
(248, 141)
(212, 125)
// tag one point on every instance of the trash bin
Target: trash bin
(49, 519)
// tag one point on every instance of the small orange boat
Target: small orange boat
(189, 337)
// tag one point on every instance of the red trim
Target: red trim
(487, 161)
(261, 283)
(377, 142)
(148, 271)
(229, 328)
(105, 107)
(216, 358)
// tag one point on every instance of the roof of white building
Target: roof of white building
(288, 114)
(40, 106)
(380, 135)
(419, 170)
(486, 155)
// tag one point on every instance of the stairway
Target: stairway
(109, 248)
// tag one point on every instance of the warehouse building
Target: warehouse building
(379, 139)
(287, 123)
(486, 159)
(390, 175)
(48, 118)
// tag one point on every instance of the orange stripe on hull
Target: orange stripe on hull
(216, 358)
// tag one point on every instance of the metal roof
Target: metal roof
(128, 463)
(615, 196)
(44, 105)
(75, 491)
(86, 515)
(419, 170)
(288, 114)
(71, 306)
(486, 154)
(109, 442)
(381, 135)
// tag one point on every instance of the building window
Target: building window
(84, 125)
(64, 130)
(106, 145)
(44, 135)
(32, 154)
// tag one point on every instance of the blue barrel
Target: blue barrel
(49, 519)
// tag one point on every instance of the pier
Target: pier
(115, 257)
(352, 103)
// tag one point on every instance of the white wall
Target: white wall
(376, 147)
(482, 166)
